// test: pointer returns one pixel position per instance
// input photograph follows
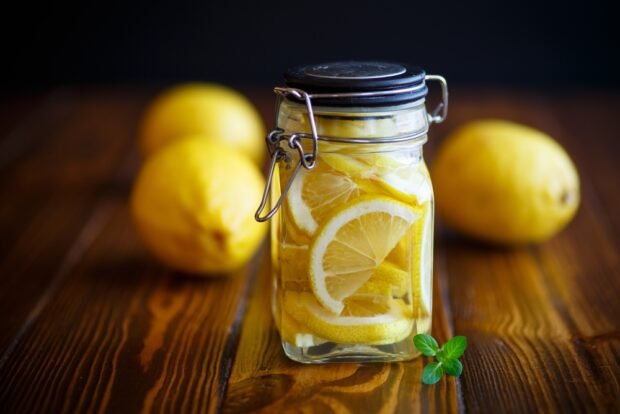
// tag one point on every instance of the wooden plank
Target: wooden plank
(518, 340)
(122, 334)
(109, 330)
(13, 111)
(589, 123)
(88, 318)
(533, 316)
(583, 262)
(263, 379)
(572, 120)
(47, 197)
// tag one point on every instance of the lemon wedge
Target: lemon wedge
(352, 244)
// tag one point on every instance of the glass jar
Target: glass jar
(352, 211)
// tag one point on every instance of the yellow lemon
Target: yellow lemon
(214, 111)
(193, 203)
(504, 182)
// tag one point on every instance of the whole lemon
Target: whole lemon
(504, 182)
(214, 111)
(193, 203)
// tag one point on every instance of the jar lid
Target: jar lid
(357, 80)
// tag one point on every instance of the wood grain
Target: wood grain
(91, 323)
(122, 334)
(552, 303)
(78, 144)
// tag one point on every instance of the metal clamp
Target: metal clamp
(294, 138)
(277, 156)
(308, 161)
(440, 112)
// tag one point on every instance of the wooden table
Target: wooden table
(89, 322)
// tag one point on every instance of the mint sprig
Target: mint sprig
(447, 357)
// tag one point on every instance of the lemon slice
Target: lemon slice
(394, 172)
(365, 165)
(352, 244)
(290, 232)
(411, 185)
(363, 321)
(414, 252)
(349, 165)
(391, 274)
(296, 333)
(313, 194)
(388, 279)
(423, 292)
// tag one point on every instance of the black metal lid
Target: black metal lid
(405, 81)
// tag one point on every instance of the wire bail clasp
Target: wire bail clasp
(308, 161)
(440, 112)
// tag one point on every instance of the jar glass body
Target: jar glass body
(352, 244)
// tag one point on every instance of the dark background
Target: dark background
(539, 44)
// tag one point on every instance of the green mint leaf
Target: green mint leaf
(455, 347)
(441, 357)
(432, 373)
(452, 367)
(426, 344)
